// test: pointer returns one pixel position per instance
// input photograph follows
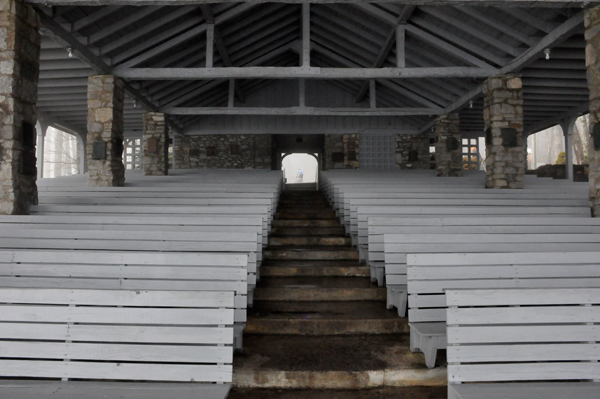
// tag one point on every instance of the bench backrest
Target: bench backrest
(427, 283)
(523, 334)
(116, 334)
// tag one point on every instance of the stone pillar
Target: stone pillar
(448, 147)
(155, 143)
(503, 117)
(412, 151)
(104, 145)
(592, 35)
(19, 73)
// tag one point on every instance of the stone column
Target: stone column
(104, 145)
(412, 151)
(155, 143)
(592, 35)
(19, 73)
(448, 148)
(503, 117)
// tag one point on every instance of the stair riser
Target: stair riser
(305, 215)
(325, 327)
(306, 223)
(308, 231)
(310, 255)
(316, 294)
(326, 241)
(267, 271)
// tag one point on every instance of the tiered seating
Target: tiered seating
(53, 334)
(430, 275)
(523, 343)
(215, 215)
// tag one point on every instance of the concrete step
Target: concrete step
(282, 268)
(311, 240)
(436, 392)
(324, 318)
(316, 282)
(310, 253)
(294, 214)
(301, 187)
(309, 294)
(308, 231)
(332, 362)
(306, 223)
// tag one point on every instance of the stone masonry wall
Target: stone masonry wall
(155, 143)
(592, 35)
(19, 73)
(341, 151)
(448, 148)
(412, 152)
(503, 117)
(105, 125)
(226, 151)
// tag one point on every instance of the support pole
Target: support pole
(372, 94)
(231, 100)
(41, 129)
(302, 93)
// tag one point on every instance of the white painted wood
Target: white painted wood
(103, 390)
(549, 390)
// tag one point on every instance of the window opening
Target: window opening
(133, 154)
(60, 154)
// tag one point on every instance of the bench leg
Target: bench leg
(380, 276)
(362, 254)
(429, 348)
(400, 299)
(250, 296)
(390, 298)
(415, 341)
(373, 275)
(238, 341)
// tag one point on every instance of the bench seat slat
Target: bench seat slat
(103, 390)
(524, 372)
(555, 314)
(116, 371)
(97, 314)
(487, 334)
(117, 352)
(89, 333)
(549, 390)
(525, 352)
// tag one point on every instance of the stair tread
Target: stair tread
(310, 282)
(328, 353)
(350, 310)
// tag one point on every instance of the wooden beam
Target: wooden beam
(123, 23)
(210, 40)
(400, 46)
(372, 94)
(301, 72)
(302, 93)
(305, 61)
(94, 17)
(292, 111)
(553, 38)
(513, 3)
(220, 44)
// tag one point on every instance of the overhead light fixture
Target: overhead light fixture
(471, 104)
(547, 52)
(70, 52)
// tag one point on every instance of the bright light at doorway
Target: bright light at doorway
(294, 162)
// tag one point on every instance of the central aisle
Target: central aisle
(318, 322)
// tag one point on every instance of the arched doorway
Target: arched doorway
(306, 162)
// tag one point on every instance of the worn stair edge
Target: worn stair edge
(316, 271)
(325, 327)
(320, 294)
(339, 379)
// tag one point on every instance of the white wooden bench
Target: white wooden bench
(163, 338)
(398, 246)
(377, 227)
(523, 343)
(126, 270)
(428, 279)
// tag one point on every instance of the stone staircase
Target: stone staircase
(319, 323)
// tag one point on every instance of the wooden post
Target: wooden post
(230, 102)
(400, 53)
(210, 40)
(305, 35)
(302, 93)
(568, 127)
(372, 94)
